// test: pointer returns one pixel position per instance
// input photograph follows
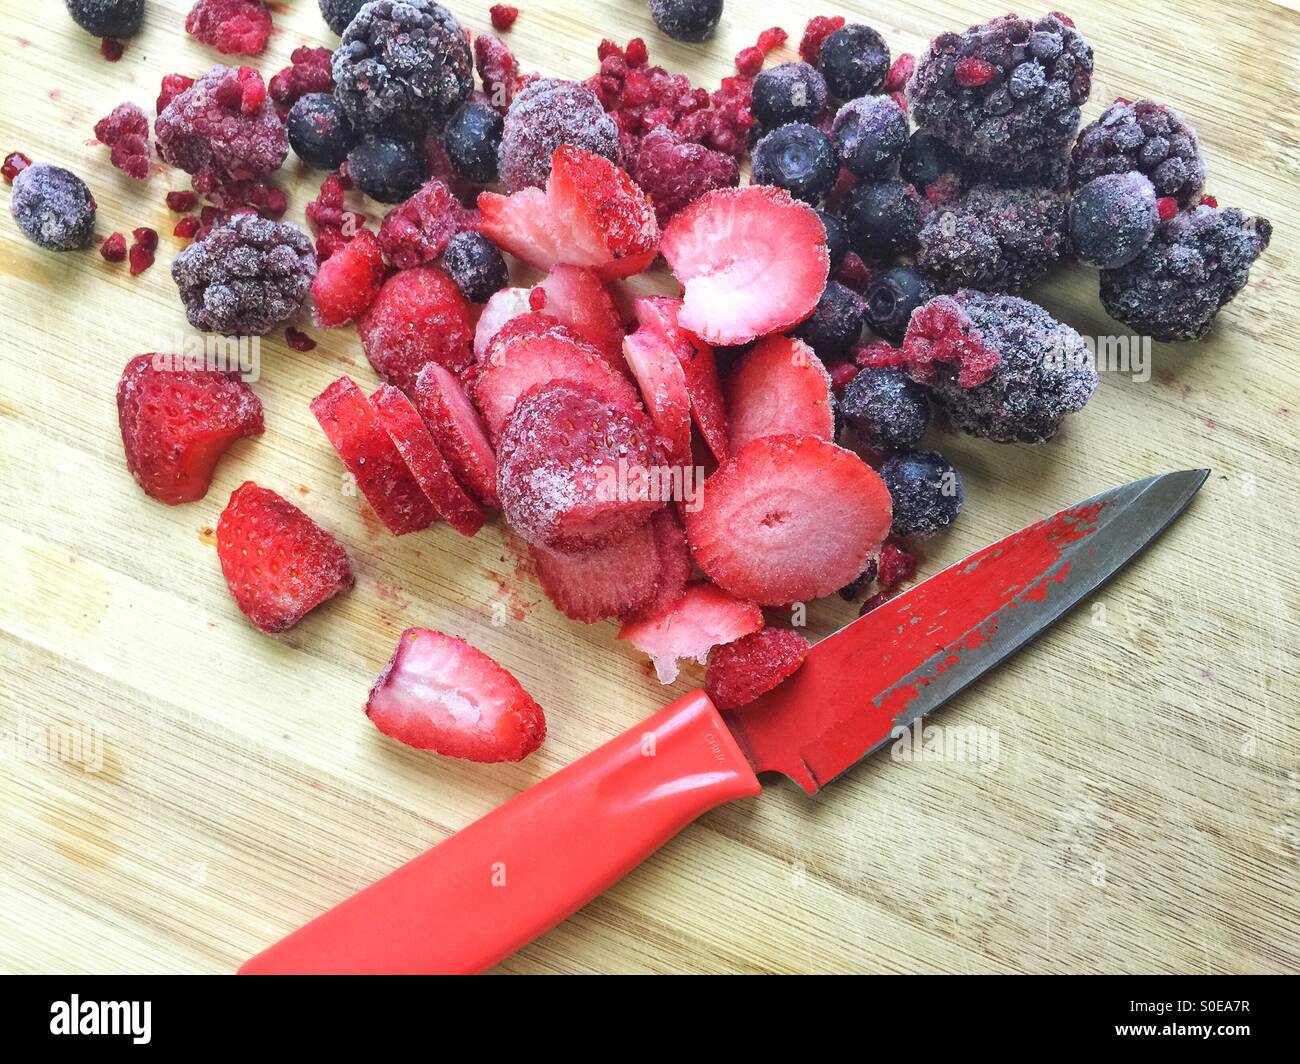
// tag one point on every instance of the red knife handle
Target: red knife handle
(496, 885)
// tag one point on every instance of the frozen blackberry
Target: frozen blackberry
(1147, 137)
(53, 207)
(402, 65)
(473, 139)
(998, 366)
(885, 408)
(892, 296)
(546, 114)
(869, 134)
(837, 236)
(995, 239)
(1112, 218)
(928, 162)
(319, 131)
(107, 18)
(854, 60)
(884, 218)
(686, 20)
(926, 491)
(475, 264)
(798, 158)
(338, 13)
(1195, 264)
(387, 169)
(835, 323)
(1005, 92)
(246, 276)
(791, 92)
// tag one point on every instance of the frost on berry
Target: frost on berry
(818, 29)
(232, 27)
(125, 130)
(309, 72)
(545, 115)
(674, 172)
(1146, 137)
(418, 231)
(497, 69)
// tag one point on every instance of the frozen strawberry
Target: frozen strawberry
(356, 431)
(458, 431)
(741, 671)
(788, 519)
(418, 317)
(176, 423)
(752, 260)
(578, 299)
(705, 617)
(574, 469)
(603, 582)
(439, 693)
(505, 304)
(662, 380)
(278, 563)
(424, 461)
(348, 281)
(779, 388)
(232, 27)
(674, 564)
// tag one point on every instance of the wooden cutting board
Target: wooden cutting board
(1143, 812)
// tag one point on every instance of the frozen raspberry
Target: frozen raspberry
(855, 273)
(113, 248)
(686, 20)
(387, 169)
(347, 282)
(232, 27)
(771, 38)
(900, 73)
(402, 64)
(146, 237)
(1166, 208)
(1147, 137)
(545, 115)
(246, 276)
(497, 69)
(15, 163)
(503, 16)
(1112, 218)
(749, 61)
(895, 564)
(730, 120)
(869, 135)
(1196, 263)
(419, 230)
(172, 86)
(309, 72)
(141, 257)
(791, 92)
(854, 60)
(53, 207)
(338, 13)
(673, 172)
(187, 227)
(335, 225)
(125, 130)
(815, 33)
(885, 408)
(926, 491)
(107, 18)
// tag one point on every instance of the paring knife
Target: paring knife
(502, 881)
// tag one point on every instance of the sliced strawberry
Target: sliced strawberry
(662, 381)
(779, 388)
(504, 306)
(788, 519)
(418, 317)
(176, 423)
(577, 298)
(439, 693)
(741, 671)
(752, 260)
(348, 281)
(278, 563)
(425, 462)
(458, 431)
(705, 617)
(592, 585)
(674, 564)
(356, 431)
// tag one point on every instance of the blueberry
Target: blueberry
(1113, 218)
(472, 139)
(926, 491)
(884, 218)
(320, 132)
(837, 236)
(891, 298)
(798, 158)
(686, 20)
(53, 207)
(835, 324)
(107, 18)
(926, 158)
(791, 92)
(855, 61)
(885, 408)
(386, 169)
(869, 134)
(475, 264)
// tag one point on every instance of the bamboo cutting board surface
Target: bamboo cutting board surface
(1144, 810)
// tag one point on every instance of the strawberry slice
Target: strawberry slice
(458, 432)
(348, 281)
(577, 298)
(752, 260)
(779, 388)
(662, 381)
(674, 564)
(418, 317)
(503, 306)
(356, 431)
(741, 671)
(439, 693)
(424, 461)
(788, 519)
(278, 563)
(176, 423)
(705, 617)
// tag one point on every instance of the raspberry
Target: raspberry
(181, 201)
(749, 61)
(545, 115)
(854, 273)
(53, 207)
(309, 72)
(232, 27)
(298, 340)
(926, 491)
(126, 131)
(1166, 207)
(107, 18)
(147, 238)
(971, 73)
(335, 226)
(141, 257)
(772, 38)
(114, 247)
(895, 564)
(15, 163)
(673, 172)
(942, 332)
(879, 354)
(497, 69)
(900, 73)
(187, 227)
(503, 16)
(636, 53)
(172, 86)
(1147, 137)
(818, 29)
(112, 49)
(418, 231)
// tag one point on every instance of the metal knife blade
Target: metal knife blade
(906, 658)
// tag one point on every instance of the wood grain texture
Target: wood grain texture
(1144, 814)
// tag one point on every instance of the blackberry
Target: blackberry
(885, 408)
(246, 276)
(401, 66)
(546, 114)
(475, 264)
(472, 139)
(1112, 218)
(1195, 264)
(854, 60)
(107, 18)
(884, 218)
(926, 491)
(798, 158)
(338, 13)
(869, 134)
(319, 131)
(53, 207)
(791, 92)
(835, 324)
(686, 20)
(837, 236)
(970, 90)
(995, 239)
(386, 169)
(1147, 137)
(892, 296)
(926, 161)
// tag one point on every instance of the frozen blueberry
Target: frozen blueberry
(837, 236)
(53, 207)
(107, 18)
(686, 20)
(798, 158)
(869, 134)
(855, 61)
(926, 491)
(891, 298)
(927, 159)
(791, 92)
(475, 264)
(320, 132)
(884, 218)
(386, 169)
(835, 324)
(338, 13)
(1112, 218)
(473, 139)
(885, 408)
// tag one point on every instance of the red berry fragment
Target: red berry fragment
(347, 282)
(537, 298)
(497, 69)
(1167, 206)
(232, 27)
(662, 380)
(298, 340)
(705, 617)
(895, 565)
(114, 247)
(971, 72)
(1208, 201)
(636, 54)
(902, 69)
(187, 227)
(182, 201)
(126, 131)
(818, 29)
(603, 582)
(503, 16)
(418, 231)
(879, 354)
(779, 388)
(749, 61)
(111, 49)
(308, 72)
(941, 331)
(146, 237)
(418, 317)
(751, 666)
(577, 298)
(15, 163)
(772, 38)
(141, 257)
(458, 431)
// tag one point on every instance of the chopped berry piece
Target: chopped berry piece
(674, 172)
(319, 131)
(779, 388)
(181, 201)
(53, 207)
(892, 296)
(1207, 201)
(1145, 136)
(107, 18)
(703, 618)
(418, 317)
(884, 218)
(503, 307)
(636, 53)
(798, 158)
(835, 324)
(928, 163)
(419, 230)
(616, 579)
(1112, 218)
(497, 69)
(740, 672)
(673, 565)
(895, 564)
(749, 61)
(837, 237)
(473, 139)
(15, 163)
(146, 237)
(537, 299)
(347, 282)
(545, 115)
(176, 423)
(577, 298)
(879, 354)
(172, 86)
(791, 92)
(476, 266)
(972, 72)
(187, 227)
(309, 73)
(386, 169)
(854, 60)
(111, 49)
(1166, 208)
(926, 491)
(114, 248)
(338, 13)
(126, 131)
(772, 37)
(853, 273)
(900, 73)
(885, 408)
(299, 340)
(841, 374)
(458, 431)
(141, 258)
(869, 135)
(662, 380)
(503, 16)
(686, 20)
(232, 27)
(815, 33)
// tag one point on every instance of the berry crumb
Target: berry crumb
(298, 340)
(114, 248)
(111, 49)
(503, 16)
(15, 163)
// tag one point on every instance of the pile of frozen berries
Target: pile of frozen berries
(677, 464)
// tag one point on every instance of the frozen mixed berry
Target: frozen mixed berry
(994, 239)
(891, 297)
(187, 227)
(498, 69)
(113, 248)
(125, 130)
(741, 671)
(854, 60)
(419, 230)
(1112, 218)
(929, 164)
(473, 139)
(232, 27)
(675, 172)
(1145, 136)
(546, 114)
(476, 265)
(884, 218)
(819, 27)
(246, 276)
(418, 317)
(791, 92)
(503, 16)
(926, 491)
(107, 18)
(320, 132)
(869, 134)
(347, 282)
(686, 20)
(140, 258)
(836, 323)
(1195, 264)
(402, 65)
(798, 158)
(181, 201)
(172, 86)
(837, 236)
(885, 408)
(309, 71)
(53, 207)
(386, 169)
(338, 13)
